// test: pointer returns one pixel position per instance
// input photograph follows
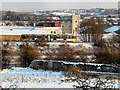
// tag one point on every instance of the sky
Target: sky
(37, 5)
(60, 0)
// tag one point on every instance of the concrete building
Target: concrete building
(14, 33)
(75, 24)
(66, 27)
(72, 26)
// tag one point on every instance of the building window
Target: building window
(51, 31)
(54, 32)
(75, 21)
(75, 28)
(11, 29)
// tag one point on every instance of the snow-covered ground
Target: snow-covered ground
(19, 77)
(29, 78)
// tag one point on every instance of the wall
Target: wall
(66, 27)
(75, 24)
(10, 37)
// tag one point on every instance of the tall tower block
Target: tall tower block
(75, 24)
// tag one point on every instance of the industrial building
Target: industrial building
(14, 33)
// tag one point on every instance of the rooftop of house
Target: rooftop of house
(112, 29)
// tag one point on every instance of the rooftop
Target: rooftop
(112, 29)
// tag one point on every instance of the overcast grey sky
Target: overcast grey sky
(40, 5)
(60, 0)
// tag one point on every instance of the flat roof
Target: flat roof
(18, 30)
(4, 31)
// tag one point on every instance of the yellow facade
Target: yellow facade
(75, 24)
(54, 32)
(9, 37)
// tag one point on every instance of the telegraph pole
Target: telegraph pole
(0, 42)
(0, 58)
(0, 51)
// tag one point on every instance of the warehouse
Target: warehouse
(14, 33)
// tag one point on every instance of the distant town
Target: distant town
(109, 15)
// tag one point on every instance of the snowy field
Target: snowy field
(29, 78)
(19, 77)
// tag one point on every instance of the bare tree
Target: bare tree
(64, 52)
(109, 53)
(6, 52)
(85, 82)
(27, 54)
(19, 24)
(92, 29)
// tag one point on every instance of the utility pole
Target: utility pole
(0, 53)
(0, 44)
(0, 58)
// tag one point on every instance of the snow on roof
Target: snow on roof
(112, 29)
(18, 27)
(29, 27)
(86, 18)
(19, 31)
(62, 13)
(49, 28)
(67, 62)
